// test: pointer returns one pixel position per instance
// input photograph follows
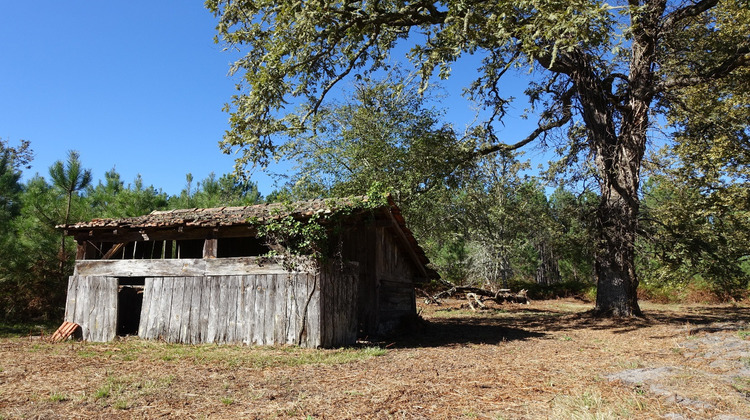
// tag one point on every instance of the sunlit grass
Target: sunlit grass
(134, 350)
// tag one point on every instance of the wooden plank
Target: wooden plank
(249, 306)
(154, 303)
(240, 310)
(81, 304)
(344, 308)
(313, 311)
(259, 321)
(222, 312)
(213, 312)
(268, 306)
(165, 306)
(194, 336)
(187, 301)
(66, 330)
(176, 314)
(145, 307)
(301, 333)
(280, 316)
(70, 301)
(110, 291)
(292, 318)
(352, 275)
(81, 250)
(341, 306)
(191, 267)
(210, 248)
(203, 308)
(88, 324)
(94, 304)
(326, 317)
(112, 251)
(101, 311)
(231, 305)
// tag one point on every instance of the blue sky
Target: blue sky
(136, 85)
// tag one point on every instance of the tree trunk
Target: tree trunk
(617, 282)
(61, 254)
(547, 272)
(618, 160)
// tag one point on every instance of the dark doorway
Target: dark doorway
(129, 304)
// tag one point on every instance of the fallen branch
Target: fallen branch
(481, 295)
(428, 299)
(474, 297)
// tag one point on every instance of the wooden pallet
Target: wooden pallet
(66, 330)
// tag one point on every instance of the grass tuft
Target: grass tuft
(58, 397)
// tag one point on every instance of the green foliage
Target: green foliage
(58, 397)
(228, 190)
(10, 188)
(297, 52)
(113, 199)
(25, 329)
(316, 236)
(696, 216)
(385, 133)
(486, 223)
(694, 235)
(600, 71)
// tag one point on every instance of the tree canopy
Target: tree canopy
(600, 71)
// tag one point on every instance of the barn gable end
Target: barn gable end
(203, 276)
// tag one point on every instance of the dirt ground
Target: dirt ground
(549, 359)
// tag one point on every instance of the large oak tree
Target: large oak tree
(600, 70)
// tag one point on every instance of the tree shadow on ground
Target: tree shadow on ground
(441, 332)
(517, 322)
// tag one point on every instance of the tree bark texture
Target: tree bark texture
(618, 160)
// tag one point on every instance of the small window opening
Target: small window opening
(191, 248)
(129, 304)
(240, 247)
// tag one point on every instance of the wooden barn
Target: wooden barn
(206, 275)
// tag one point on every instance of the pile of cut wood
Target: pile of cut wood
(477, 296)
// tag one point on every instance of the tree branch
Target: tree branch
(741, 58)
(672, 19)
(567, 115)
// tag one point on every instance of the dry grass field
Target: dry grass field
(549, 359)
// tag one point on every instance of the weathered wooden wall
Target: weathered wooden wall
(262, 309)
(338, 299)
(92, 304)
(277, 307)
(395, 272)
(358, 244)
